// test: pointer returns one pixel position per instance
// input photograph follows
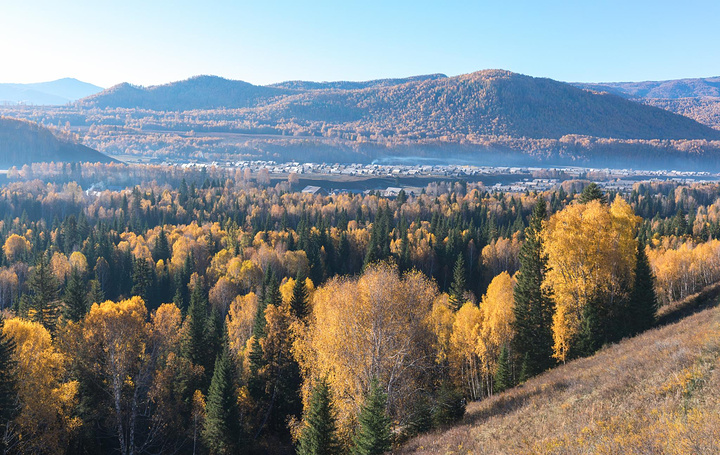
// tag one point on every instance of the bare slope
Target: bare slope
(23, 142)
(655, 393)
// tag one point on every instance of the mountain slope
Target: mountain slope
(200, 92)
(655, 393)
(352, 85)
(61, 91)
(492, 102)
(23, 142)
(671, 89)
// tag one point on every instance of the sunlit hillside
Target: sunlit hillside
(655, 393)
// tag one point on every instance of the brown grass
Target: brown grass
(656, 393)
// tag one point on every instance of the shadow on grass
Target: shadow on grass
(707, 298)
(507, 403)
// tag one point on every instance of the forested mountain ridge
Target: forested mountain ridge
(670, 89)
(23, 142)
(492, 102)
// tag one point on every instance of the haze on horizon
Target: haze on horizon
(150, 43)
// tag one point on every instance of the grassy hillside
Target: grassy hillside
(655, 393)
(23, 142)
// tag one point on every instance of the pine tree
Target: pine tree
(75, 298)
(373, 436)
(319, 436)
(591, 193)
(643, 300)
(96, 294)
(222, 431)
(194, 346)
(299, 299)
(8, 383)
(43, 303)
(161, 250)
(457, 288)
(142, 278)
(503, 373)
(533, 309)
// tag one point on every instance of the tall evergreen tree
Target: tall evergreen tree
(643, 300)
(75, 298)
(319, 436)
(8, 383)
(503, 374)
(533, 308)
(299, 299)
(44, 304)
(222, 430)
(457, 288)
(161, 250)
(373, 436)
(195, 342)
(142, 278)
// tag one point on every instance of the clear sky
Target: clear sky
(150, 42)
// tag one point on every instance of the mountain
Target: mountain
(23, 142)
(61, 91)
(655, 393)
(200, 92)
(351, 85)
(491, 102)
(672, 89)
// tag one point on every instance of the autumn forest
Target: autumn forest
(202, 311)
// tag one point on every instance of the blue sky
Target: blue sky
(156, 41)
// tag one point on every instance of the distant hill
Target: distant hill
(23, 142)
(672, 89)
(61, 91)
(200, 92)
(698, 99)
(351, 85)
(492, 102)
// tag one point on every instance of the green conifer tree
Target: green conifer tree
(373, 436)
(533, 308)
(299, 299)
(8, 383)
(643, 300)
(44, 304)
(75, 298)
(319, 436)
(222, 430)
(457, 288)
(503, 373)
(591, 193)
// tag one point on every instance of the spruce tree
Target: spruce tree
(299, 299)
(75, 298)
(533, 308)
(373, 436)
(161, 250)
(194, 345)
(222, 430)
(457, 288)
(43, 304)
(503, 373)
(8, 383)
(142, 278)
(643, 300)
(96, 294)
(319, 436)
(592, 192)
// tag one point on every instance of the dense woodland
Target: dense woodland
(205, 311)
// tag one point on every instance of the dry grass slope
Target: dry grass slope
(656, 393)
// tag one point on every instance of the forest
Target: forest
(172, 310)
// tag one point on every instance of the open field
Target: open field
(655, 393)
